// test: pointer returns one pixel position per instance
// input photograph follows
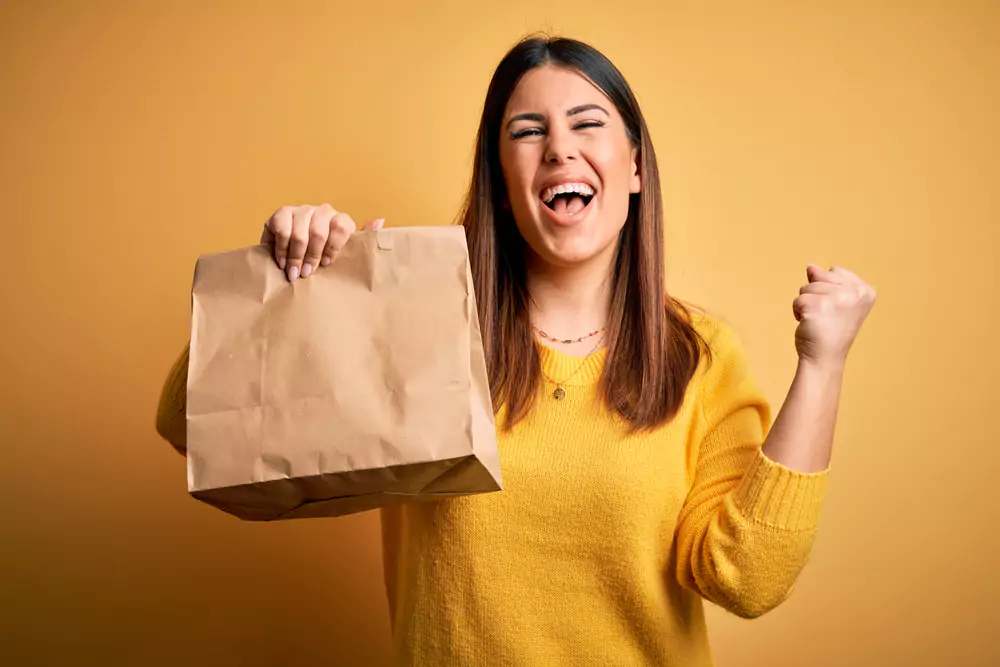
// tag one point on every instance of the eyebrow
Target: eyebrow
(572, 112)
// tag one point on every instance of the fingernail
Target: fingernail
(306, 270)
(325, 261)
(281, 263)
(379, 223)
(293, 273)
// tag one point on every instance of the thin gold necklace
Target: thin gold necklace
(560, 393)
(566, 341)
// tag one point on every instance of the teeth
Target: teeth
(580, 188)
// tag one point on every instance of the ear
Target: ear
(635, 183)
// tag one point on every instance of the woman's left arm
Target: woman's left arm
(750, 518)
(830, 309)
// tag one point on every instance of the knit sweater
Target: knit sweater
(604, 542)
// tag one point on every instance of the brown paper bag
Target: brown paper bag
(361, 385)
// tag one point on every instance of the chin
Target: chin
(574, 249)
(567, 243)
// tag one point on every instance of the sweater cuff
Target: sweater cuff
(778, 496)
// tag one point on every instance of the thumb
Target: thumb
(374, 224)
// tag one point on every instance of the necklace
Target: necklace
(560, 393)
(566, 341)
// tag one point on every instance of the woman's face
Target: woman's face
(568, 165)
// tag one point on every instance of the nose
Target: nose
(561, 146)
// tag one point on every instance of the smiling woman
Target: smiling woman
(565, 226)
(638, 480)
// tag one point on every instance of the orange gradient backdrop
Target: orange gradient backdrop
(137, 135)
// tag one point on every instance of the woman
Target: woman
(638, 479)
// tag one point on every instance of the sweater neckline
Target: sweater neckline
(559, 366)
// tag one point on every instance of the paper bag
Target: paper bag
(362, 385)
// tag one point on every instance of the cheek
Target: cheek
(614, 167)
(614, 164)
(515, 167)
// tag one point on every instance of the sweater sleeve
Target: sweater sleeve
(748, 523)
(171, 413)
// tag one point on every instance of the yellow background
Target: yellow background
(136, 136)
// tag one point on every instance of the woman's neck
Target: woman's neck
(569, 302)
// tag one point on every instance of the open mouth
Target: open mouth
(568, 199)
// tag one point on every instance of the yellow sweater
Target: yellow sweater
(602, 544)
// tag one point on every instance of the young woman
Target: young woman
(638, 480)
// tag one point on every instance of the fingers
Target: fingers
(341, 228)
(339, 231)
(307, 237)
(815, 274)
(818, 288)
(803, 305)
(278, 230)
(850, 275)
(837, 275)
(266, 237)
(299, 241)
(319, 231)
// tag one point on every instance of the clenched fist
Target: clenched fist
(306, 237)
(830, 309)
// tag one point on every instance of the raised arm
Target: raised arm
(750, 519)
(748, 523)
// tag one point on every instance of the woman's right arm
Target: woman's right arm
(171, 414)
(305, 238)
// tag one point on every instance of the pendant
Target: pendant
(559, 394)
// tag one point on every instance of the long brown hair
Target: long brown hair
(654, 350)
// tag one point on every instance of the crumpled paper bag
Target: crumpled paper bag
(362, 385)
